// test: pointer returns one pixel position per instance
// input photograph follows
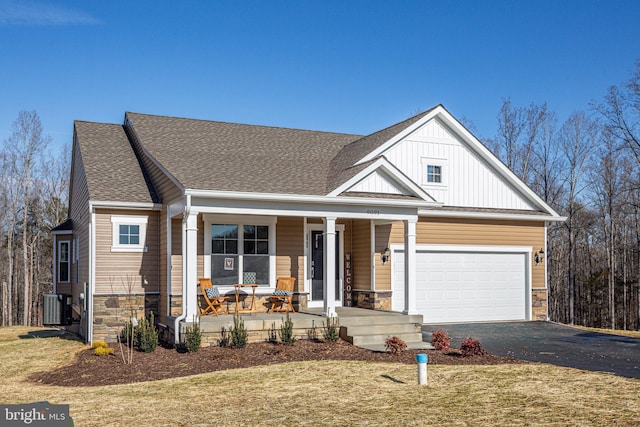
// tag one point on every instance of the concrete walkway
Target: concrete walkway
(553, 343)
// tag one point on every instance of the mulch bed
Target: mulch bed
(91, 370)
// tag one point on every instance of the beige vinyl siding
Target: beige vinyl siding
(127, 272)
(162, 231)
(200, 260)
(382, 272)
(290, 249)
(81, 217)
(478, 232)
(176, 256)
(361, 252)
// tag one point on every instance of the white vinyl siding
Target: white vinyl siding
(376, 183)
(471, 181)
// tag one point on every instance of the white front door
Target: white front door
(316, 265)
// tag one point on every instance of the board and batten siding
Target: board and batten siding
(127, 272)
(445, 231)
(467, 180)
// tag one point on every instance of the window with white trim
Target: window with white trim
(434, 172)
(64, 264)
(240, 252)
(129, 233)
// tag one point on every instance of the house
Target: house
(418, 218)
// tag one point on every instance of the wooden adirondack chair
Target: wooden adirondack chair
(282, 298)
(215, 302)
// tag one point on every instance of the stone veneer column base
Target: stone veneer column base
(372, 300)
(539, 309)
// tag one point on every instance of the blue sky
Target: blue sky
(343, 66)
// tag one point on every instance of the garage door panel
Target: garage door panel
(459, 286)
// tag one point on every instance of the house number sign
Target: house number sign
(348, 281)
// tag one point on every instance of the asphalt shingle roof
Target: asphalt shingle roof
(209, 155)
(110, 165)
(342, 165)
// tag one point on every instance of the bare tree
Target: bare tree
(577, 139)
(27, 143)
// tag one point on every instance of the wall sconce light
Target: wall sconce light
(385, 256)
(538, 257)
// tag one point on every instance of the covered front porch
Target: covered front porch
(338, 253)
(361, 327)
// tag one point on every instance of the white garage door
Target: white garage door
(454, 286)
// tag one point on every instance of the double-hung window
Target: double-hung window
(241, 252)
(64, 258)
(129, 233)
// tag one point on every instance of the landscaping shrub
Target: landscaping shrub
(101, 348)
(331, 330)
(193, 337)
(472, 347)
(103, 351)
(395, 345)
(239, 334)
(146, 335)
(440, 340)
(143, 336)
(286, 331)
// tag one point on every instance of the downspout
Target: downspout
(183, 314)
(54, 267)
(92, 273)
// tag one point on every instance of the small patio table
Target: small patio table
(252, 308)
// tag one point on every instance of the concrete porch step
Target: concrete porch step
(385, 329)
(410, 346)
(385, 319)
(379, 339)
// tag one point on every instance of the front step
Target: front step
(371, 331)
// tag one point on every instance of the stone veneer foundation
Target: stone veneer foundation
(111, 312)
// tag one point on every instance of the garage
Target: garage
(466, 284)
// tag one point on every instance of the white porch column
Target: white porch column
(190, 265)
(410, 266)
(329, 284)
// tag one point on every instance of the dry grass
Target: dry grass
(329, 393)
(631, 334)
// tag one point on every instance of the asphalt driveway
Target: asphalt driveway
(548, 342)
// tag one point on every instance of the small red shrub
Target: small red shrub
(440, 340)
(472, 347)
(395, 345)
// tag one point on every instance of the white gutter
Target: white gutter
(489, 215)
(308, 199)
(183, 314)
(126, 205)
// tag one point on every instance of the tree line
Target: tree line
(587, 168)
(33, 199)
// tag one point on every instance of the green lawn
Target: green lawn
(327, 393)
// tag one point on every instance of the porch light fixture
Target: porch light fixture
(538, 257)
(385, 256)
